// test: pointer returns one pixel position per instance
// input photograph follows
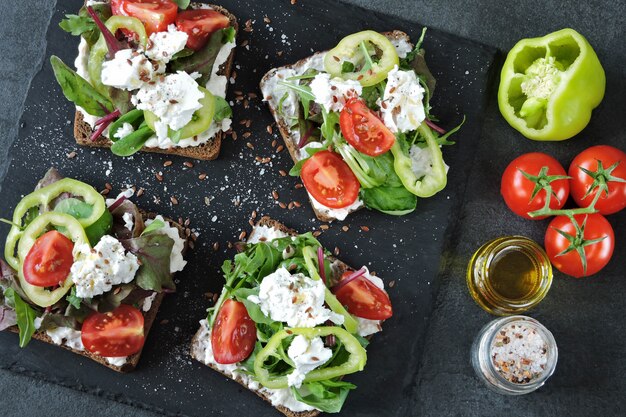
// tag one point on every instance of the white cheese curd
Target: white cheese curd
(368, 327)
(66, 336)
(403, 47)
(401, 107)
(129, 70)
(173, 99)
(37, 322)
(128, 221)
(177, 263)
(306, 354)
(81, 69)
(217, 83)
(332, 94)
(147, 302)
(303, 154)
(336, 213)
(294, 299)
(265, 234)
(124, 131)
(95, 271)
(128, 193)
(422, 161)
(163, 45)
(116, 360)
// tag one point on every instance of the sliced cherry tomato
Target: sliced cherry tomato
(49, 260)
(117, 333)
(580, 249)
(234, 333)
(364, 130)
(156, 15)
(330, 180)
(199, 25)
(601, 169)
(364, 299)
(524, 180)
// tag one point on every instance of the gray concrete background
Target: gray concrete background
(22, 41)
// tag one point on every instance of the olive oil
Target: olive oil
(509, 275)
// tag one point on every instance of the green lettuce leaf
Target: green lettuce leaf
(153, 251)
(327, 396)
(25, 315)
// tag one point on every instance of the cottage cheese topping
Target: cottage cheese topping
(117, 360)
(177, 263)
(66, 336)
(128, 221)
(402, 108)
(147, 302)
(294, 299)
(128, 193)
(124, 131)
(306, 354)
(129, 70)
(265, 234)
(332, 94)
(368, 327)
(95, 271)
(217, 83)
(336, 213)
(403, 47)
(163, 45)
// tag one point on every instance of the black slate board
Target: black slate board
(407, 250)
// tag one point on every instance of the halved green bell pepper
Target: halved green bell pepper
(72, 229)
(550, 85)
(356, 361)
(43, 197)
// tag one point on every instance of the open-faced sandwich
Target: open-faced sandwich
(357, 123)
(86, 273)
(150, 76)
(291, 321)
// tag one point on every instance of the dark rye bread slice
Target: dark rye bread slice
(148, 318)
(207, 151)
(285, 130)
(195, 342)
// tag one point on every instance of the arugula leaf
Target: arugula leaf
(25, 315)
(254, 311)
(182, 4)
(77, 25)
(73, 299)
(153, 250)
(328, 128)
(8, 317)
(222, 110)
(327, 396)
(304, 92)
(297, 168)
(372, 93)
(405, 63)
(390, 200)
(77, 90)
(185, 52)
(153, 227)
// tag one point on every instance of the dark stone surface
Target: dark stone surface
(585, 316)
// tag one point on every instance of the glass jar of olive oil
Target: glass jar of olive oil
(509, 275)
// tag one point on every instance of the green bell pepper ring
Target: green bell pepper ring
(432, 182)
(349, 322)
(357, 49)
(99, 51)
(72, 229)
(43, 197)
(550, 85)
(356, 361)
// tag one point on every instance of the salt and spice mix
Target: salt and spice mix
(514, 355)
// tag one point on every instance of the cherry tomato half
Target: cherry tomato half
(156, 15)
(199, 25)
(364, 130)
(330, 180)
(117, 333)
(597, 255)
(589, 160)
(234, 333)
(517, 190)
(48, 262)
(364, 299)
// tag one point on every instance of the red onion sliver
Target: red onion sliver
(305, 138)
(113, 115)
(320, 262)
(435, 127)
(112, 43)
(117, 203)
(348, 279)
(100, 129)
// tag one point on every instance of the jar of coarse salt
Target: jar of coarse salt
(514, 355)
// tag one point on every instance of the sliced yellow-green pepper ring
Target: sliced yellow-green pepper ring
(550, 85)
(356, 361)
(98, 52)
(358, 49)
(200, 121)
(72, 229)
(43, 197)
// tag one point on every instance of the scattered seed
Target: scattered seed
(345, 228)
(234, 135)
(207, 201)
(252, 95)
(275, 194)
(299, 185)
(191, 244)
(242, 235)
(317, 233)
(280, 148)
(187, 222)
(297, 204)
(188, 164)
(392, 283)
(216, 246)
(282, 173)
(105, 192)
(282, 205)
(290, 205)
(140, 192)
(202, 176)
(249, 145)
(71, 155)
(167, 163)
(159, 176)
(174, 200)
(336, 251)
(324, 227)
(108, 186)
(269, 129)
(230, 245)
(253, 214)
(266, 19)
(215, 298)
(365, 228)
(164, 322)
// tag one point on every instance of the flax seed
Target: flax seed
(140, 192)
(275, 194)
(202, 176)
(216, 246)
(249, 145)
(297, 204)
(324, 227)
(365, 228)
(253, 214)
(345, 228)
(247, 135)
(317, 233)
(392, 283)
(188, 164)
(71, 155)
(269, 129)
(105, 192)
(242, 235)
(274, 143)
(299, 185)
(290, 205)
(174, 200)
(282, 173)
(159, 176)
(336, 251)
(282, 205)
(167, 163)
(280, 148)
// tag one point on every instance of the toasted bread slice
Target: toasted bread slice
(207, 151)
(286, 132)
(148, 317)
(197, 351)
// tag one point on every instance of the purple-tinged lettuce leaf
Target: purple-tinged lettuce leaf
(153, 251)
